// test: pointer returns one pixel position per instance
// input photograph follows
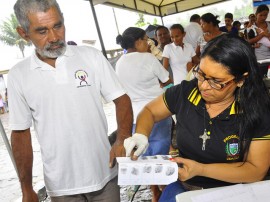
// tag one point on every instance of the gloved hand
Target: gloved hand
(137, 140)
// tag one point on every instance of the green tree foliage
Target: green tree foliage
(10, 36)
(155, 21)
(141, 21)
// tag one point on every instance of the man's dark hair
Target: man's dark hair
(194, 17)
(251, 15)
(229, 15)
(160, 27)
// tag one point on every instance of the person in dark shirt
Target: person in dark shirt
(228, 24)
(237, 25)
(222, 117)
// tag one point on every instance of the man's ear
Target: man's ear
(22, 33)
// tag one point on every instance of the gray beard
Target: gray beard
(47, 52)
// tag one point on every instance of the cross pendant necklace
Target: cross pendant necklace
(204, 138)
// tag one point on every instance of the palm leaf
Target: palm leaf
(10, 36)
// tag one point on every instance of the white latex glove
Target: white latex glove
(137, 140)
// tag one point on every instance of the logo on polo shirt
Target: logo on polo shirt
(232, 147)
(81, 77)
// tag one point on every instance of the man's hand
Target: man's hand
(124, 118)
(30, 195)
(190, 65)
(23, 154)
(138, 142)
(117, 150)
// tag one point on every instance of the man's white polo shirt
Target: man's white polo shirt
(66, 108)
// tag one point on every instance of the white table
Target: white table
(258, 190)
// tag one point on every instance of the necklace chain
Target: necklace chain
(206, 134)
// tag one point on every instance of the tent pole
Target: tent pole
(162, 20)
(115, 20)
(98, 29)
(160, 14)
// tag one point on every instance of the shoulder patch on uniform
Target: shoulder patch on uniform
(195, 97)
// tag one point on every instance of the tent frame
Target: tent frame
(159, 7)
(156, 7)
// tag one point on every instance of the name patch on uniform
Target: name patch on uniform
(232, 147)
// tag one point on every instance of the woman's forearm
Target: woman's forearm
(145, 122)
(233, 172)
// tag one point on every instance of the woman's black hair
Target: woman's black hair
(210, 18)
(252, 99)
(262, 8)
(178, 26)
(129, 37)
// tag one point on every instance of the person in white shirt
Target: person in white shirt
(60, 89)
(142, 75)
(193, 31)
(179, 55)
(254, 30)
(263, 26)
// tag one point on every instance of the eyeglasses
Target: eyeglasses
(214, 84)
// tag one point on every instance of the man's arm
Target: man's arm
(23, 155)
(124, 118)
(166, 63)
(198, 51)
